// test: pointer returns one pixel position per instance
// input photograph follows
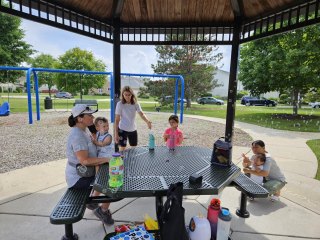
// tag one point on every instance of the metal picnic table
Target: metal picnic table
(149, 173)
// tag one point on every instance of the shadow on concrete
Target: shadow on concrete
(263, 206)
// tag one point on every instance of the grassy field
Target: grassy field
(315, 147)
(279, 117)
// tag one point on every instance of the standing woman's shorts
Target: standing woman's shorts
(124, 136)
(84, 182)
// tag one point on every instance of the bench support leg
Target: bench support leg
(242, 212)
(159, 207)
(69, 233)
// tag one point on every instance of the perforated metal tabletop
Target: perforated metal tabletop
(150, 173)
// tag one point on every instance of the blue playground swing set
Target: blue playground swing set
(4, 109)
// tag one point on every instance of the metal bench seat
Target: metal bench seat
(70, 209)
(248, 188)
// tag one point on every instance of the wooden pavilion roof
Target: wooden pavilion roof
(148, 21)
(172, 13)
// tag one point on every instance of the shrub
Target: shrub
(242, 93)
(312, 96)
(284, 99)
(274, 99)
(143, 95)
(206, 94)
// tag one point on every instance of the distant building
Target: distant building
(44, 89)
(223, 79)
(4, 87)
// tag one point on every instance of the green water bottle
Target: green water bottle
(116, 171)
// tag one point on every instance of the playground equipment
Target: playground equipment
(5, 109)
(34, 71)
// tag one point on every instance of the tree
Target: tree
(45, 61)
(197, 65)
(13, 50)
(287, 62)
(77, 59)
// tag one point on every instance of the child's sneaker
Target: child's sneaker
(105, 217)
(274, 198)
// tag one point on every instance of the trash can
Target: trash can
(47, 103)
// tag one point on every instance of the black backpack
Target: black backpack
(172, 216)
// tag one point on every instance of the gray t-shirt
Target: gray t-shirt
(78, 140)
(127, 114)
(274, 171)
(272, 167)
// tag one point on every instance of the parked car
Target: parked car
(255, 101)
(315, 104)
(170, 99)
(184, 100)
(63, 95)
(210, 100)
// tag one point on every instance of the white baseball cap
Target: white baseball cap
(81, 109)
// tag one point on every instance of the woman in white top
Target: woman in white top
(125, 121)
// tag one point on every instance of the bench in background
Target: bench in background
(88, 102)
(248, 188)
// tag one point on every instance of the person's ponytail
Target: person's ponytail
(71, 121)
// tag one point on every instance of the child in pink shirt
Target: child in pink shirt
(173, 136)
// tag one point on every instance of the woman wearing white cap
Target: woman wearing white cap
(81, 150)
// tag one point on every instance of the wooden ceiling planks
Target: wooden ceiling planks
(227, 12)
(136, 11)
(178, 10)
(184, 11)
(174, 12)
(191, 11)
(150, 11)
(164, 12)
(206, 11)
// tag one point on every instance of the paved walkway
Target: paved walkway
(28, 195)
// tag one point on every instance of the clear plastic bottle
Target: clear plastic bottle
(116, 171)
(224, 223)
(172, 142)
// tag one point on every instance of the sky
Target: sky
(134, 59)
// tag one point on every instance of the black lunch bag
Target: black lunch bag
(221, 153)
(172, 216)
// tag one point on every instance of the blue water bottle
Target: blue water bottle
(151, 141)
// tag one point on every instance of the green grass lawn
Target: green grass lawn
(308, 119)
(281, 117)
(315, 147)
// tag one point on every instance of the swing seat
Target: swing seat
(5, 109)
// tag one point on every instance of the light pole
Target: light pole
(81, 87)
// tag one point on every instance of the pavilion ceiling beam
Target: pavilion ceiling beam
(237, 7)
(117, 7)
